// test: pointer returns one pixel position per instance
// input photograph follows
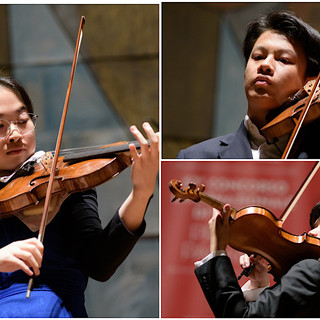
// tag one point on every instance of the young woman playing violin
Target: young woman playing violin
(282, 54)
(296, 294)
(75, 246)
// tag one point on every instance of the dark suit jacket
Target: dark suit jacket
(297, 294)
(236, 146)
(232, 146)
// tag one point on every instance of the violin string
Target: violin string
(90, 148)
(79, 149)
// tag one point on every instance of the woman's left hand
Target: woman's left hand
(145, 164)
(144, 170)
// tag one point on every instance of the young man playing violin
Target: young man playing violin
(75, 245)
(296, 294)
(282, 54)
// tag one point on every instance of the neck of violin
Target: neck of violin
(101, 152)
(214, 203)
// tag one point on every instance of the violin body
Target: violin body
(71, 176)
(255, 230)
(285, 122)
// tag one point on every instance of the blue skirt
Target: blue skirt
(43, 303)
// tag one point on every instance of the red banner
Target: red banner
(184, 226)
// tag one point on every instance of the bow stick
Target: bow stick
(301, 119)
(57, 149)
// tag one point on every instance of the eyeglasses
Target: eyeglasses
(25, 123)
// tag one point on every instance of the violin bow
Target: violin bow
(57, 149)
(301, 119)
(246, 271)
(300, 191)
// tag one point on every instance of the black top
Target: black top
(75, 247)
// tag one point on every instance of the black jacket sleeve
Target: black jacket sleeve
(220, 287)
(297, 294)
(99, 250)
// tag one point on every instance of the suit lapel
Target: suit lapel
(236, 146)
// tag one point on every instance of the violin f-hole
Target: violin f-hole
(32, 182)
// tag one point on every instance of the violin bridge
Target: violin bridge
(47, 160)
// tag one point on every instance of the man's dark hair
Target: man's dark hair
(18, 90)
(314, 215)
(287, 24)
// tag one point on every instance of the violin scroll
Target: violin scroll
(191, 192)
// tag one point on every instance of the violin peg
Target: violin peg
(192, 186)
(176, 184)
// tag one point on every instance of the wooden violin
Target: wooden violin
(283, 120)
(76, 171)
(255, 230)
(297, 112)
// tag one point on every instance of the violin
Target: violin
(76, 171)
(255, 230)
(295, 116)
(283, 120)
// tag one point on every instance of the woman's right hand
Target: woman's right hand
(259, 276)
(25, 255)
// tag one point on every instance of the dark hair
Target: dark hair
(18, 90)
(287, 24)
(314, 215)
